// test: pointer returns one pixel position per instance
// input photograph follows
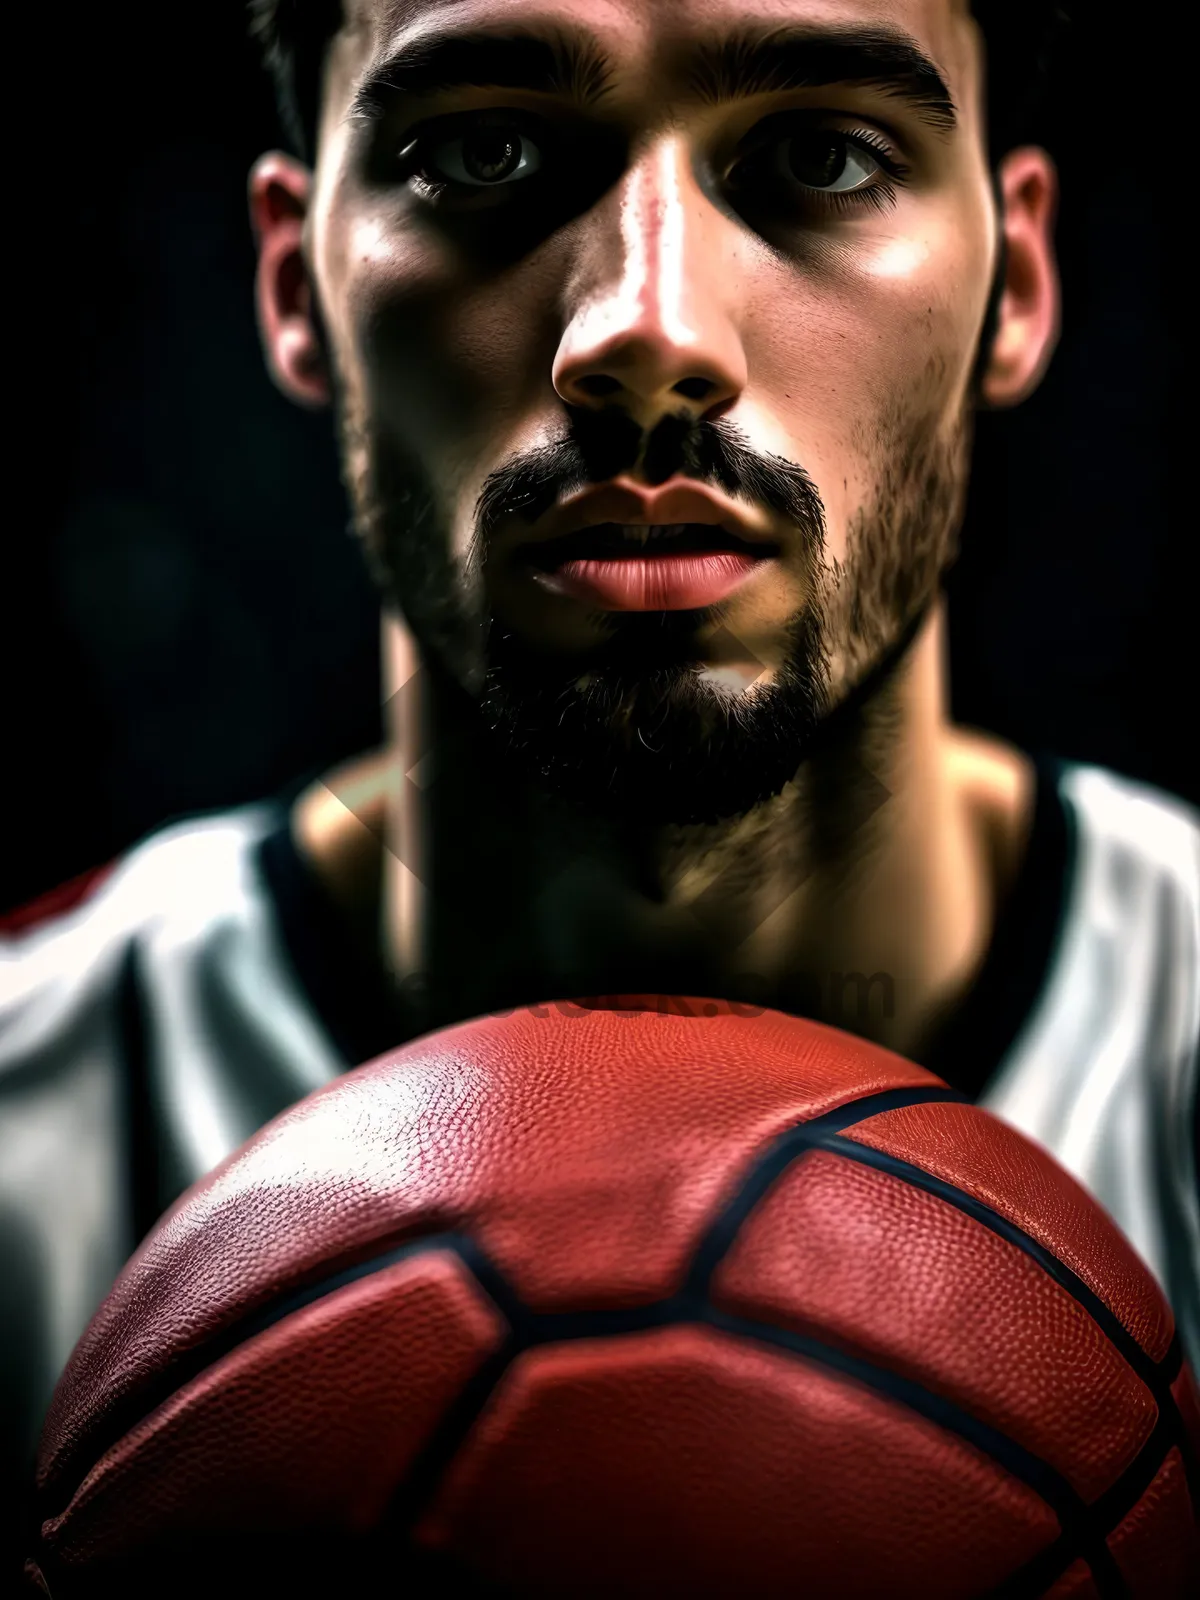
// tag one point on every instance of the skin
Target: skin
(842, 341)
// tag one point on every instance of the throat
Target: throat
(848, 896)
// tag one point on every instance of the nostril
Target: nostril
(598, 385)
(694, 388)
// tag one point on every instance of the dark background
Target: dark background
(186, 622)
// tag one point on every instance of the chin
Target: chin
(658, 740)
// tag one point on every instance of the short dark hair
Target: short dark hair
(1020, 37)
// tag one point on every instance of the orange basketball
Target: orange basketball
(612, 1302)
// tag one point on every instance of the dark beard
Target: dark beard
(634, 728)
(639, 732)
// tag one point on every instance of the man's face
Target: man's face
(653, 325)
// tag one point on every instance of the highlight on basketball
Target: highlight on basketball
(631, 1029)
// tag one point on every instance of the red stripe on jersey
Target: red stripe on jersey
(55, 901)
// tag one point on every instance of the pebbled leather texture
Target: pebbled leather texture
(770, 1468)
(876, 1264)
(306, 1421)
(1156, 1546)
(996, 1164)
(553, 1389)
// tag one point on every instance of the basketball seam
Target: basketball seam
(1081, 1533)
(771, 1163)
(1157, 1376)
(133, 1409)
(1147, 1369)
(822, 1133)
(1110, 1510)
(531, 1330)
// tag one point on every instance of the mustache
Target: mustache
(599, 445)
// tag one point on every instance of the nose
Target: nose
(652, 329)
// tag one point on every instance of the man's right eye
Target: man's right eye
(483, 155)
(503, 177)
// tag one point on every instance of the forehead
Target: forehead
(638, 32)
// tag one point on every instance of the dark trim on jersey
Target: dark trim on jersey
(350, 996)
(1023, 949)
(146, 1198)
(363, 1018)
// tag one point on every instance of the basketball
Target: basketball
(628, 1298)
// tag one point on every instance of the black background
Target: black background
(186, 621)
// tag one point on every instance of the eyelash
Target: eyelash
(415, 156)
(879, 196)
(417, 152)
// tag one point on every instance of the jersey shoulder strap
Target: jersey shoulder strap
(1104, 1072)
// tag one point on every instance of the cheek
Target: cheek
(854, 353)
(446, 356)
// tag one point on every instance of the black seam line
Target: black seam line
(819, 1132)
(532, 1330)
(822, 1133)
(1108, 1511)
(1171, 1366)
(1157, 1376)
(1007, 1453)
(1118, 1500)
(1172, 1362)
(417, 1489)
(1037, 1575)
(1083, 1534)
(780, 1154)
(1152, 1373)
(188, 1366)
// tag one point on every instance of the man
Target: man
(654, 330)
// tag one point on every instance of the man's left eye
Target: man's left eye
(486, 156)
(826, 161)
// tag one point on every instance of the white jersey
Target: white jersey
(149, 1031)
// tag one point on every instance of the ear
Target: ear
(1027, 325)
(279, 194)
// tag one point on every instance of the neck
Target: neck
(863, 895)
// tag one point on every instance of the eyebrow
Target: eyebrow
(765, 62)
(560, 64)
(746, 63)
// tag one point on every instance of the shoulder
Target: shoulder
(1131, 917)
(995, 783)
(173, 983)
(1128, 946)
(149, 1023)
(179, 870)
(1104, 1072)
(1134, 822)
(176, 886)
(1144, 827)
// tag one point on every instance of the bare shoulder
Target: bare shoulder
(995, 783)
(339, 825)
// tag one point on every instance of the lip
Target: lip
(676, 501)
(742, 543)
(690, 582)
